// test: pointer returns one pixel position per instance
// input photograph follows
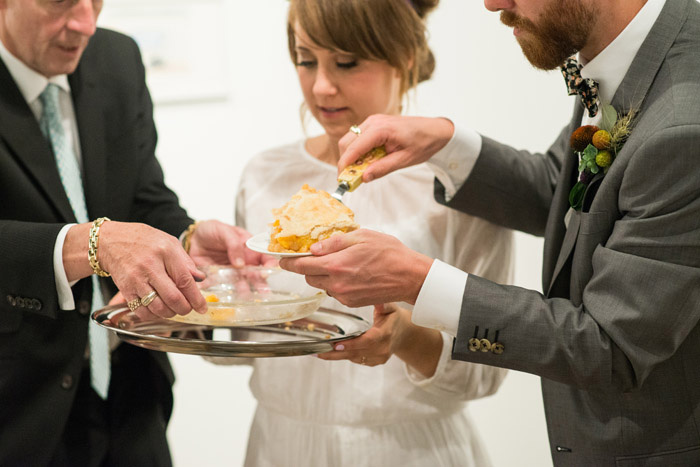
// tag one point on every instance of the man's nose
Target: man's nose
(497, 5)
(83, 18)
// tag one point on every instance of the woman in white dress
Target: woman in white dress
(403, 404)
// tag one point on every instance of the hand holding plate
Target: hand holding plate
(363, 267)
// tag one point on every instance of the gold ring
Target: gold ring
(134, 304)
(363, 360)
(148, 298)
(356, 129)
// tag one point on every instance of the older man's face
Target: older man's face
(548, 31)
(49, 36)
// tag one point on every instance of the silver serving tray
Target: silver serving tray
(316, 333)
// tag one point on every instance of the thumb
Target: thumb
(118, 299)
(334, 244)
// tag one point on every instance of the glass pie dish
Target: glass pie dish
(253, 295)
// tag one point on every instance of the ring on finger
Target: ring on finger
(356, 129)
(148, 298)
(134, 304)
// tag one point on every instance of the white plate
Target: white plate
(260, 242)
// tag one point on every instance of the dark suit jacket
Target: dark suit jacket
(41, 346)
(615, 337)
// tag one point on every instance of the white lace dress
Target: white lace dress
(322, 413)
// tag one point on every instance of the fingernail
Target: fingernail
(316, 248)
(340, 347)
(198, 279)
(369, 177)
(239, 263)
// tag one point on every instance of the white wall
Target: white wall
(481, 80)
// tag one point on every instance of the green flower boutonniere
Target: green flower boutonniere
(596, 149)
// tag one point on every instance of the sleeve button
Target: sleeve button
(67, 382)
(84, 308)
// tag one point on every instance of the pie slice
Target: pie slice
(309, 217)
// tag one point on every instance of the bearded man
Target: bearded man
(615, 335)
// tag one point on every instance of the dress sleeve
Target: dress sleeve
(229, 361)
(457, 380)
(239, 214)
(484, 249)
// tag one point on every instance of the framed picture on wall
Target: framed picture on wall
(183, 44)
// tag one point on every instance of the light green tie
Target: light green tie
(69, 171)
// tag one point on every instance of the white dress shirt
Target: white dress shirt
(31, 84)
(439, 302)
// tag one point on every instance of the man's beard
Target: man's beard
(562, 30)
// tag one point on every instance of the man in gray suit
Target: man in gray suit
(615, 336)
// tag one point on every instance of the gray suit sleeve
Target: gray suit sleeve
(641, 301)
(509, 187)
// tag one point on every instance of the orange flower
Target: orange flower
(601, 139)
(582, 137)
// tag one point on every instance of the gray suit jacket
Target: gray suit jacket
(615, 337)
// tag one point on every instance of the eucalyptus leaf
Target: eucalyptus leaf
(590, 152)
(576, 195)
(609, 117)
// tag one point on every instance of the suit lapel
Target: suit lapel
(636, 83)
(88, 103)
(555, 230)
(20, 130)
(630, 95)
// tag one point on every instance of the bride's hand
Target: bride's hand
(379, 343)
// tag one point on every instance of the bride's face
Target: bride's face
(341, 90)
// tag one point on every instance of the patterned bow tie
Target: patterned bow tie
(586, 88)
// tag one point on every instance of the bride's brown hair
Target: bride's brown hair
(392, 31)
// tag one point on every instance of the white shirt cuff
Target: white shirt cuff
(439, 301)
(418, 379)
(453, 163)
(63, 287)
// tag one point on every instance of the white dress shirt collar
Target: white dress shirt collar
(30, 83)
(610, 66)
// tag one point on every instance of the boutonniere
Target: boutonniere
(596, 149)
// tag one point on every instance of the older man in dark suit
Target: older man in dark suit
(616, 334)
(77, 143)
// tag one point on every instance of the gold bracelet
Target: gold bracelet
(187, 238)
(93, 244)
